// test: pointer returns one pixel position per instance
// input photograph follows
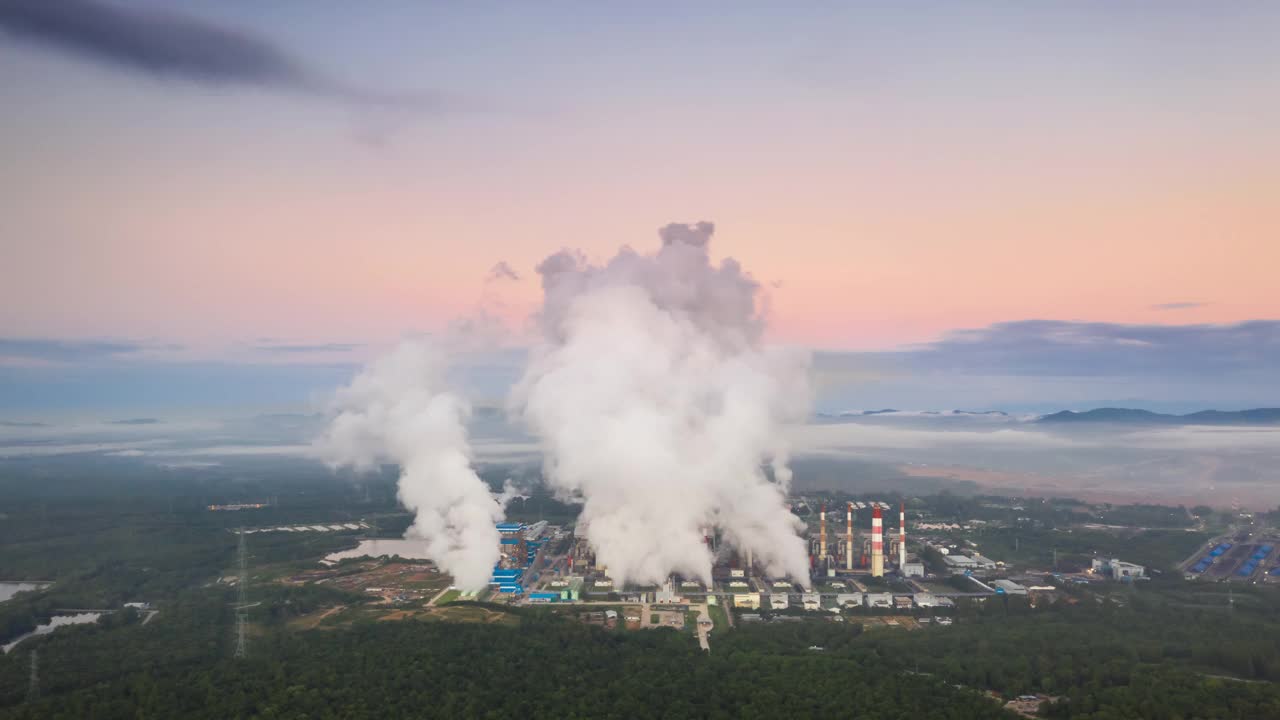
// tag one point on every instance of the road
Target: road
(704, 627)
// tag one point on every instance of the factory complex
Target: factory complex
(850, 567)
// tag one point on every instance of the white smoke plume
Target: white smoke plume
(399, 409)
(656, 405)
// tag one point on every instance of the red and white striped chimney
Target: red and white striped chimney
(902, 537)
(877, 543)
(822, 535)
(848, 538)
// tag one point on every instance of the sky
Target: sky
(982, 205)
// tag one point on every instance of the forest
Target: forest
(1162, 649)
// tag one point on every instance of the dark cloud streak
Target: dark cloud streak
(320, 348)
(1178, 306)
(502, 271)
(1074, 349)
(67, 350)
(172, 45)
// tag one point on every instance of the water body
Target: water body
(413, 549)
(9, 589)
(54, 623)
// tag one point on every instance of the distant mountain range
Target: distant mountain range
(1256, 416)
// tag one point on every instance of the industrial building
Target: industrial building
(519, 546)
(779, 601)
(569, 588)
(1008, 587)
(1118, 569)
(747, 600)
(879, 600)
(958, 563)
(667, 594)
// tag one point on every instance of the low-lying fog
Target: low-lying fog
(917, 452)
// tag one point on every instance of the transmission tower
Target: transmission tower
(33, 686)
(242, 598)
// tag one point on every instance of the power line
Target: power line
(242, 599)
(33, 686)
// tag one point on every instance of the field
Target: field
(341, 616)
(1034, 548)
(718, 616)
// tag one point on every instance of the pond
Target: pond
(9, 589)
(409, 549)
(54, 623)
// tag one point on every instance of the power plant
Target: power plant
(831, 555)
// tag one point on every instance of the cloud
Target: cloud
(1062, 348)
(697, 234)
(1178, 305)
(1042, 366)
(67, 350)
(502, 271)
(318, 348)
(172, 45)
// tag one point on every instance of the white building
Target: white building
(847, 599)
(747, 600)
(959, 563)
(667, 594)
(879, 600)
(1118, 569)
(811, 601)
(779, 601)
(913, 569)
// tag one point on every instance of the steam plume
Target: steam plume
(656, 405)
(397, 409)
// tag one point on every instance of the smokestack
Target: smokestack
(848, 538)
(877, 543)
(902, 537)
(822, 534)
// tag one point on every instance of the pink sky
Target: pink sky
(889, 212)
